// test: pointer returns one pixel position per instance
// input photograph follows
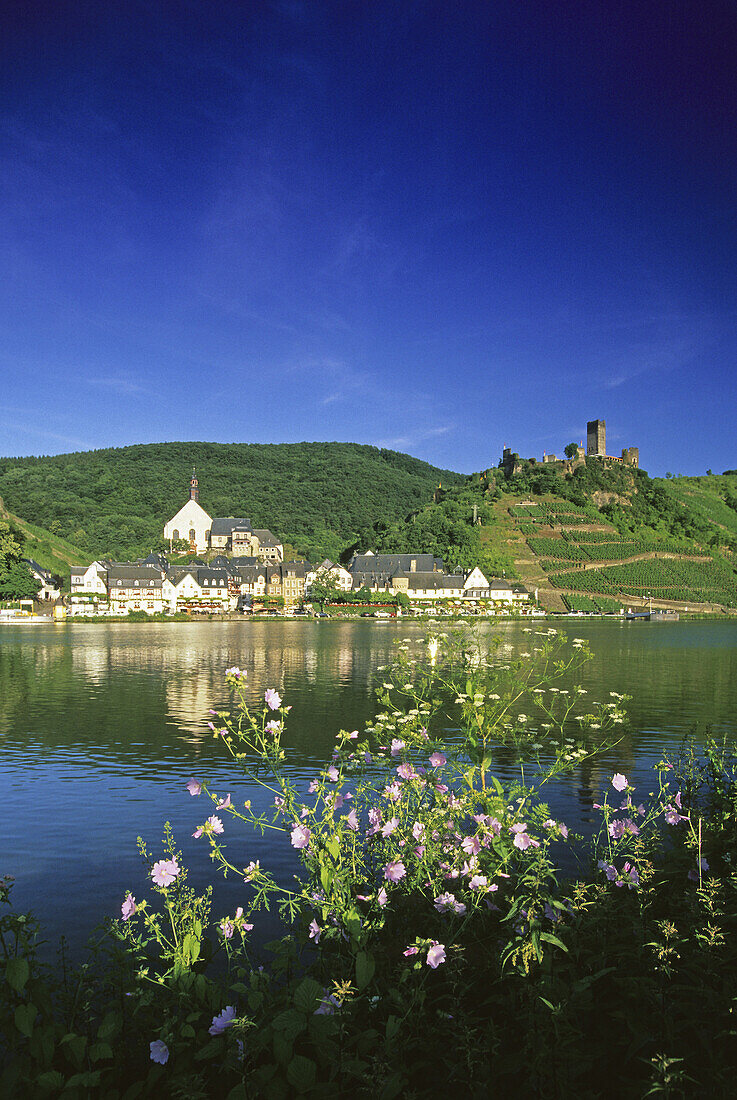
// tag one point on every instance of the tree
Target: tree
(325, 588)
(18, 583)
(571, 450)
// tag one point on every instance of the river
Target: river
(102, 725)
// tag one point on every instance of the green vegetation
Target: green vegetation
(665, 579)
(317, 496)
(16, 580)
(431, 940)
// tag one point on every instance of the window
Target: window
(192, 535)
(175, 534)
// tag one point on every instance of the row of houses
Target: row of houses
(226, 584)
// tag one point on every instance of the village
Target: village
(239, 569)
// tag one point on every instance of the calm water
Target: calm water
(101, 726)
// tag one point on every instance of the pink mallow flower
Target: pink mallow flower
(227, 928)
(396, 746)
(300, 836)
(224, 803)
(351, 821)
(194, 787)
(128, 907)
(619, 782)
(315, 931)
(159, 1052)
(437, 760)
(272, 699)
(216, 824)
(448, 903)
(405, 771)
(223, 1021)
(332, 774)
(411, 950)
(395, 871)
(436, 955)
(164, 872)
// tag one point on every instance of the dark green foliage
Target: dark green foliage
(16, 580)
(317, 496)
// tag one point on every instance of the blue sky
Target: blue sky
(435, 227)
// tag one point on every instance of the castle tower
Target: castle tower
(194, 490)
(596, 437)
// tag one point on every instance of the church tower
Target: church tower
(194, 490)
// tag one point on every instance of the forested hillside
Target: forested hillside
(597, 538)
(315, 496)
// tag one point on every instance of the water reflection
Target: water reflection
(101, 725)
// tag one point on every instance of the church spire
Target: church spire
(194, 491)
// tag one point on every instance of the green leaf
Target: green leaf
(392, 1026)
(290, 1023)
(365, 967)
(325, 879)
(550, 938)
(101, 1051)
(108, 1027)
(497, 785)
(52, 1079)
(306, 995)
(25, 1016)
(333, 846)
(238, 1092)
(75, 1045)
(16, 973)
(301, 1073)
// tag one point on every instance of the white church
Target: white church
(191, 522)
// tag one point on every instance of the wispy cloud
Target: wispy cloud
(42, 433)
(411, 439)
(119, 384)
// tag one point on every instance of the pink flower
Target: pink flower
(672, 816)
(437, 760)
(223, 1021)
(447, 903)
(418, 830)
(419, 851)
(393, 792)
(609, 870)
(405, 771)
(396, 746)
(128, 907)
(164, 872)
(273, 728)
(382, 897)
(272, 699)
(619, 782)
(471, 845)
(159, 1052)
(436, 955)
(227, 928)
(216, 824)
(315, 931)
(477, 882)
(224, 803)
(300, 836)
(412, 950)
(194, 787)
(389, 827)
(374, 817)
(395, 871)
(351, 821)
(523, 841)
(332, 774)
(236, 672)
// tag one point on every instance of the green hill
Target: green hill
(317, 497)
(602, 536)
(50, 551)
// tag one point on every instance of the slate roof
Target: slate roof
(224, 525)
(392, 563)
(125, 575)
(436, 581)
(266, 538)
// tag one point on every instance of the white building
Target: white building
(191, 522)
